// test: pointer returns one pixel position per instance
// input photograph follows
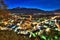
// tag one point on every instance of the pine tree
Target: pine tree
(2, 5)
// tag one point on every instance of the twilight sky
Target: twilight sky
(40, 4)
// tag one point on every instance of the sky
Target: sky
(47, 5)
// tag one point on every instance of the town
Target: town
(30, 22)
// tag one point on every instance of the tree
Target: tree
(3, 5)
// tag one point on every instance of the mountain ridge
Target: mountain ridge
(32, 11)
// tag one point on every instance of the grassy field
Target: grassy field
(10, 35)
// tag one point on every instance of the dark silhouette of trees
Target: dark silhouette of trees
(3, 5)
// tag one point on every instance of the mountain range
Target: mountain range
(32, 11)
